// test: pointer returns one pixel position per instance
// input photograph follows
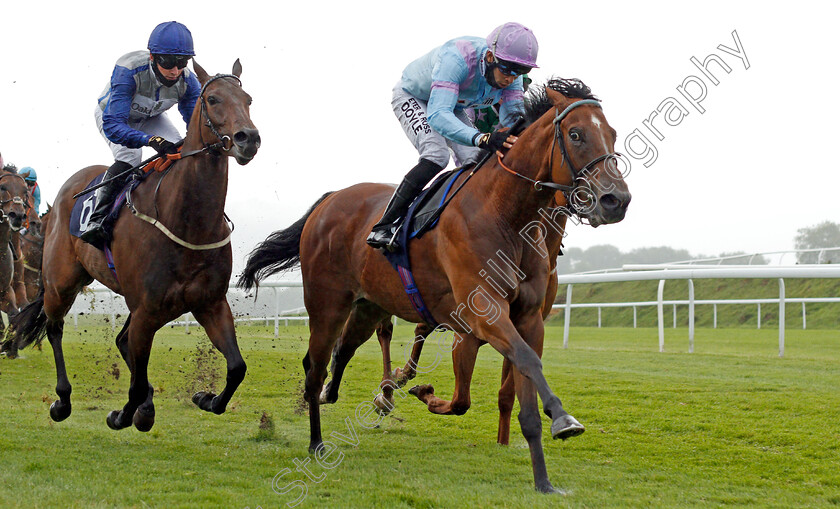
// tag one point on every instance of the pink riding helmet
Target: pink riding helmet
(514, 43)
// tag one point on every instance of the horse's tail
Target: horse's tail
(27, 327)
(279, 252)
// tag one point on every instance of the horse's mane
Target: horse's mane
(10, 168)
(537, 101)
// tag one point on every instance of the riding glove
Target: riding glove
(162, 146)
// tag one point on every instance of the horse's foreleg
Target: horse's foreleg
(139, 409)
(531, 425)
(217, 321)
(463, 363)
(60, 409)
(507, 396)
(508, 341)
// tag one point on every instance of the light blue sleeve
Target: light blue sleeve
(512, 104)
(447, 76)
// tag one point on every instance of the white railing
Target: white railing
(661, 273)
(117, 307)
(691, 272)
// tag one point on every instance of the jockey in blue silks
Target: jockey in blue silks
(431, 100)
(31, 178)
(144, 84)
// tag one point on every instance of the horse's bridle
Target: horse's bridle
(14, 199)
(578, 176)
(223, 139)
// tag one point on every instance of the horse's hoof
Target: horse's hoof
(112, 420)
(313, 447)
(422, 390)
(565, 427)
(547, 488)
(382, 404)
(143, 420)
(204, 400)
(59, 411)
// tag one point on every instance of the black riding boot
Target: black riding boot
(382, 234)
(94, 234)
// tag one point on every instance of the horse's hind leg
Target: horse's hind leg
(217, 320)
(403, 375)
(138, 345)
(328, 312)
(60, 409)
(363, 319)
(463, 363)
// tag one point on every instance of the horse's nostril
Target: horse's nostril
(610, 202)
(240, 138)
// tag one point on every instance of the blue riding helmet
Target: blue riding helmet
(171, 38)
(28, 174)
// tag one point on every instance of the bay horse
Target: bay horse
(13, 210)
(349, 287)
(178, 262)
(32, 251)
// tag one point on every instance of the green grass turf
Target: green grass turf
(730, 425)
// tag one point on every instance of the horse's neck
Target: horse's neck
(200, 190)
(515, 199)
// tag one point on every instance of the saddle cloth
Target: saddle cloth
(421, 217)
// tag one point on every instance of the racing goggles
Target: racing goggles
(511, 68)
(170, 61)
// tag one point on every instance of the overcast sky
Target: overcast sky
(744, 175)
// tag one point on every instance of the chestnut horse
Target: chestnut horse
(465, 352)
(349, 287)
(162, 271)
(463, 355)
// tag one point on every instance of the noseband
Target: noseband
(223, 139)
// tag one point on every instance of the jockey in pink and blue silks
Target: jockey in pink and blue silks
(143, 85)
(431, 100)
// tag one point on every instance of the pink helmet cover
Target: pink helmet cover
(514, 43)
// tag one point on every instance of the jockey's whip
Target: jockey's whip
(115, 177)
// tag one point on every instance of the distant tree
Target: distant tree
(825, 234)
(603, 256)
(661, 254)
(743, 259)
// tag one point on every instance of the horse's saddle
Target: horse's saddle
(424, 212)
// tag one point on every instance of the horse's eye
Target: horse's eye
(2, 188)
(212, 100)
(574, 136)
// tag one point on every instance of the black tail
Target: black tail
(29, 326)
(279, 252)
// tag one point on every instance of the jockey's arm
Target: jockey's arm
(116, 114)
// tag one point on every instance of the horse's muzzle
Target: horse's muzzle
(611, 208)
(246, 142)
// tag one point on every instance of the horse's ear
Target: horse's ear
(237, 68)
(554, 96)
(200, 73)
